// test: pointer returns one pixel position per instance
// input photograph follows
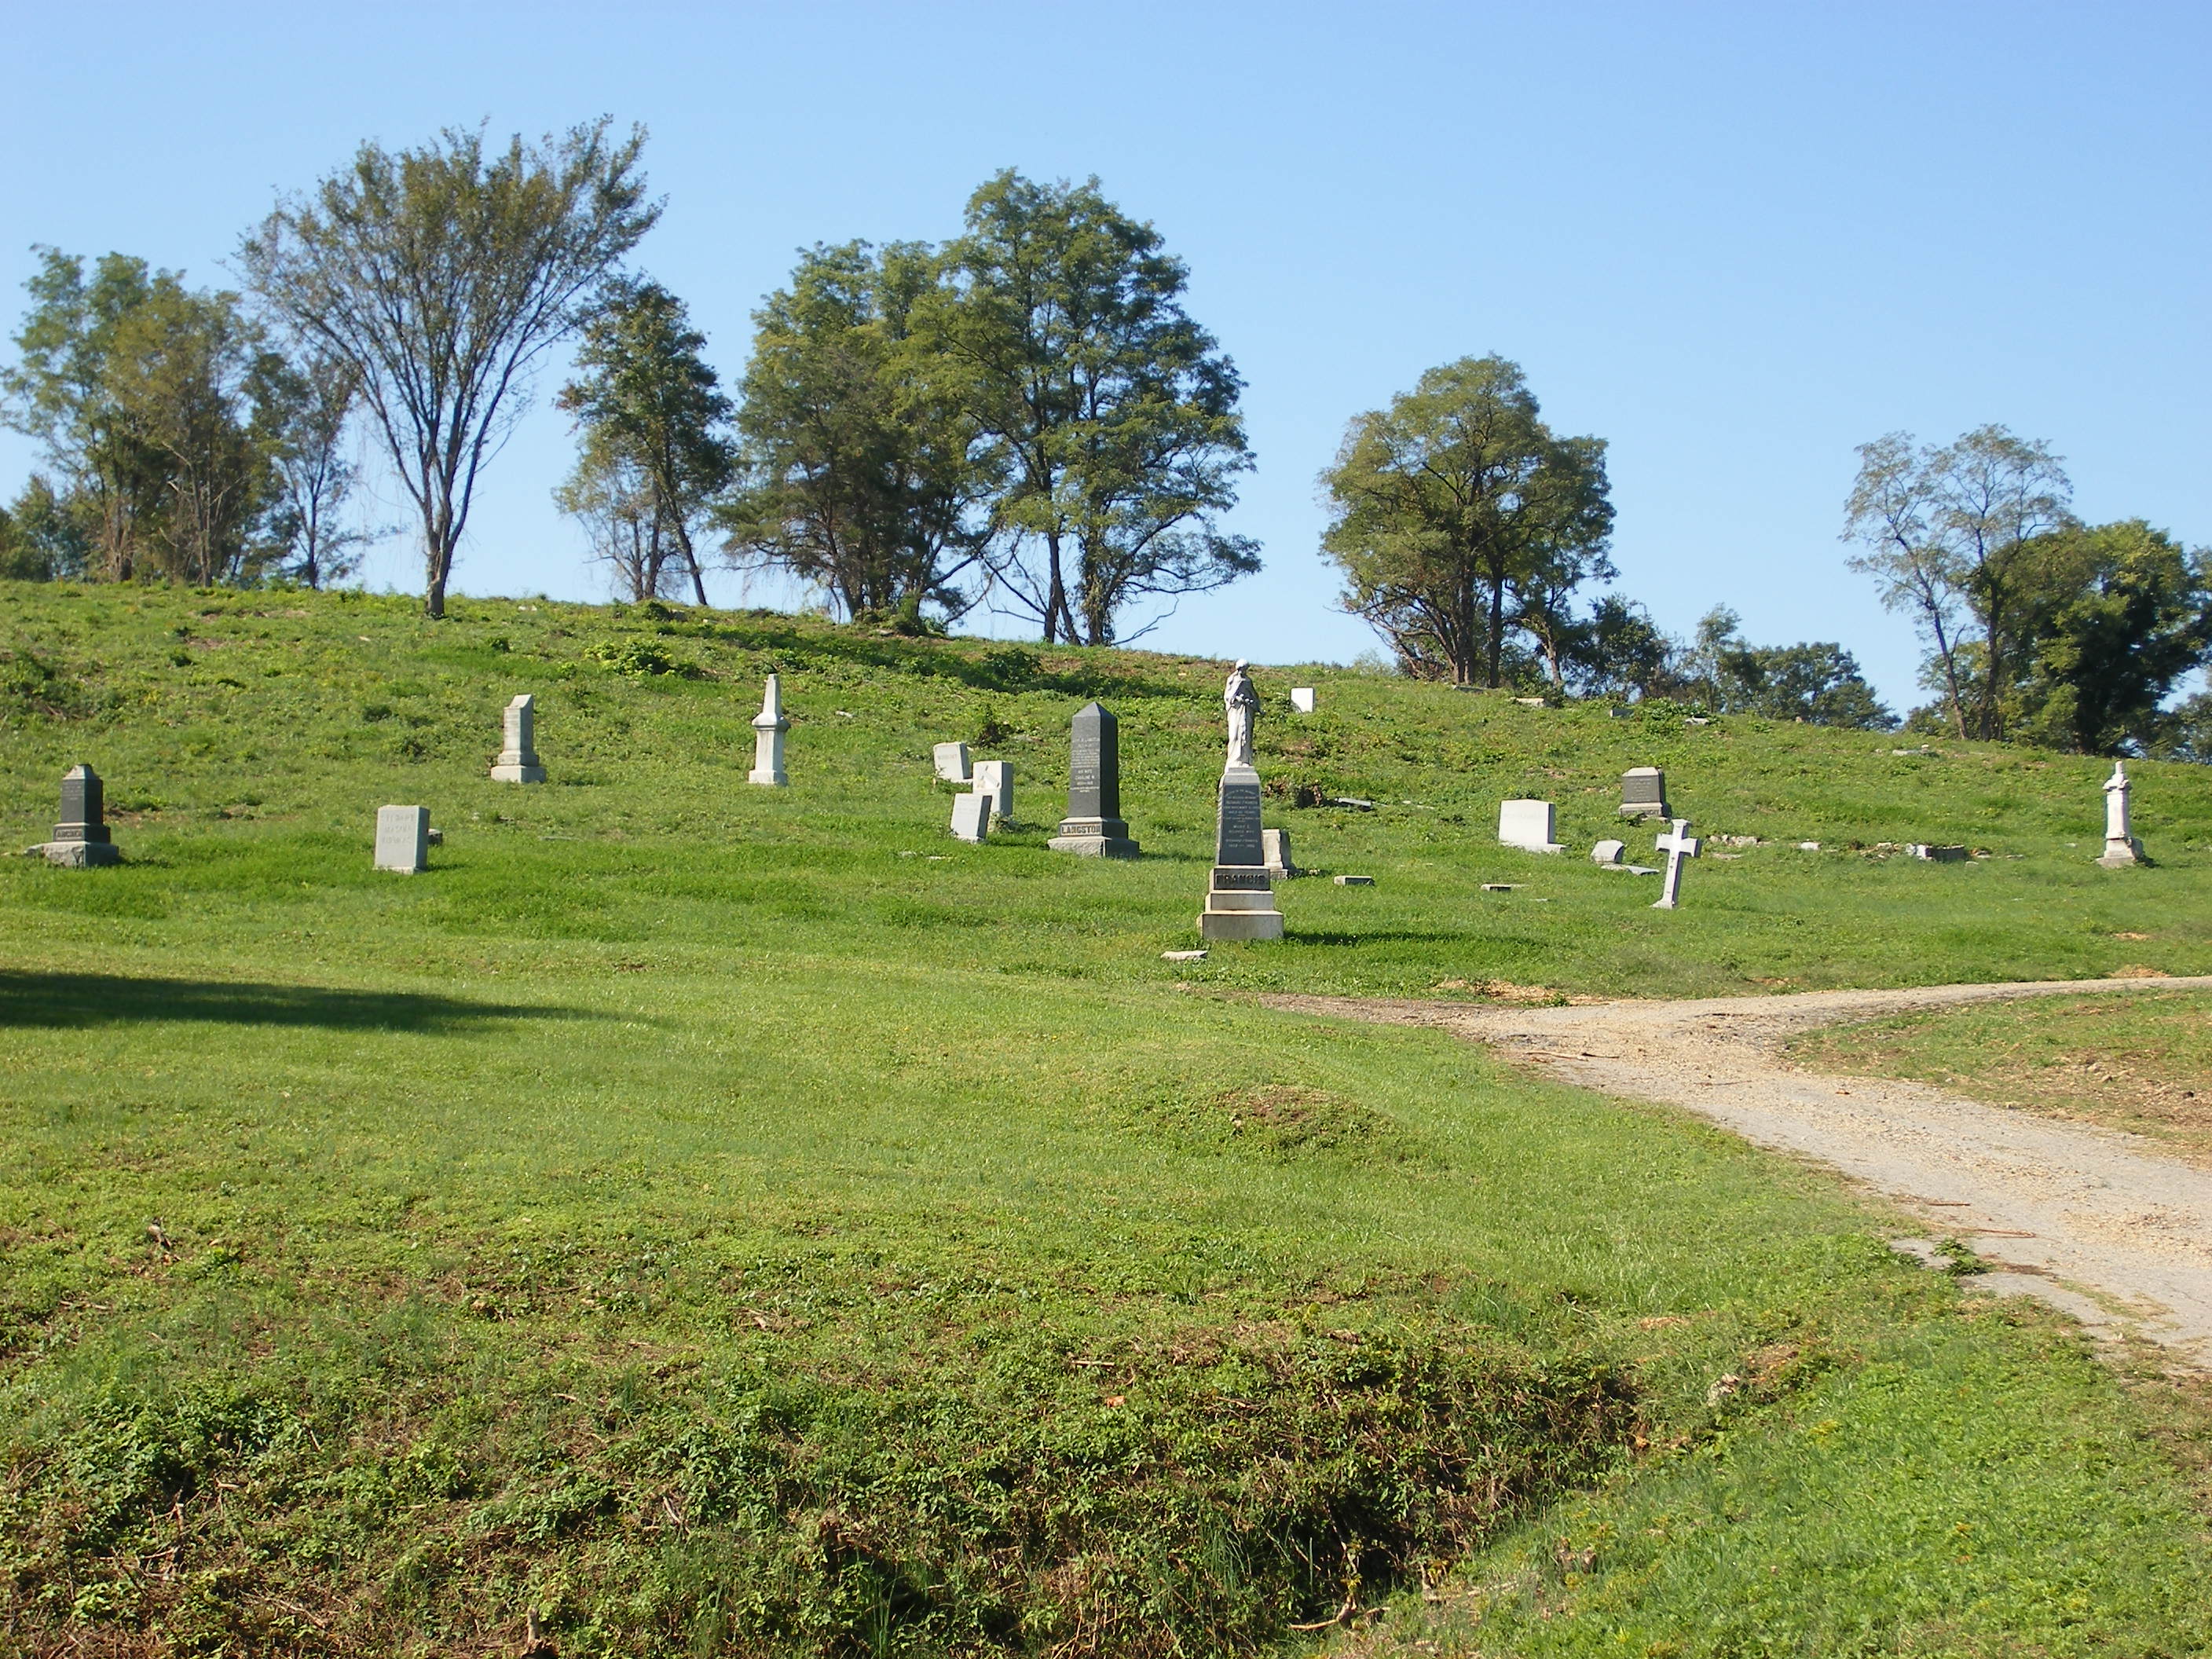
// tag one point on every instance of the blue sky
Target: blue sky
(1732, 241)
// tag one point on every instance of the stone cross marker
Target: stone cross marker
(81, 838)
(2121, 847)
(1677, 846)
(1527, 824)
(1643, 793)
(1240, 901)
(769, 727)
(996, 780)
(951, 760)
(971, 817)
(1094, 826)
(403, 839)
(518, 757)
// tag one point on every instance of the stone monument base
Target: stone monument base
(773, 779)
(80, 854)
(2119, 854)
(1240, 905)
(1096, 838)
(507, 772)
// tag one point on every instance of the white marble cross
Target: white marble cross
(1677, 846)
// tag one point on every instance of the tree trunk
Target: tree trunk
(1055, 604)
(1497, 631)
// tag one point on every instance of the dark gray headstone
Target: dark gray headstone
(1094, 823)
(83, 807)
(1643, 793)
(1236, 841)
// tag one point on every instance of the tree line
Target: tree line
(1025, 415)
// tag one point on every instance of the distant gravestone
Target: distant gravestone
(1302, 699)
(1275, 853)
(1527, 824)
(1643, 793)
(1608, 852)
(518, 756)
(1677, 846)
(769, 727)
(996, 780)
(2121, 847)
(971, 818)
(403, 839)
(1094, 826)
(81, 838)
(951, 760)
(1240, 899)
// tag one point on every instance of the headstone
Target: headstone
(1643, 793)
(81, 838)
(1240, 900)
(518, 757)
(1608, 852)
(1094, 826)
(2121, 847)
(951, 760)
(1302, 699)
(403, 839)
(1677, 846)
(1355, 881)
(971, 817)
(996, 780)
(1936, 854)
(1527, 824)
(1275, 853)
(769, 727)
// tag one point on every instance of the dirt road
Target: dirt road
(2059, 1208)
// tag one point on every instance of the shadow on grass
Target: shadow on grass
(77, 999)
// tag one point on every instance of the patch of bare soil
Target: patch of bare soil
(2106, 1225)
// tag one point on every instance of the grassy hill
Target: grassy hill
(693, 1217)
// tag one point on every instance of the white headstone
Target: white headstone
(2121, 847)
(996, 780)
(952, 762)
(518, 756)
(971, 817)
(1527, 824)
(403, 839)
(1275, 853)
(1608, 852)
(769, 727)
(1302, 699)
(1677, 846)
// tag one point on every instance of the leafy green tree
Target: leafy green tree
(1111, 414)
(2125, 614)
(309, 409)
(862, 470)
(440, 275)
(609, 494)
(1949, 533)
(1454, 504)
(653, 414)
(42, 538)
(1618, 651)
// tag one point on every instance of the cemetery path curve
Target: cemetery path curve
(2107, 1225)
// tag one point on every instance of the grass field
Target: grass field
(692, 1217)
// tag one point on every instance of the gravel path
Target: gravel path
(2059, 1209)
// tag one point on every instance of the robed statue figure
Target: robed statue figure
(1243, 702)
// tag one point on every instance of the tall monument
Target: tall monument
(769, 727)
(2121, 846)
(1094, 825)
(518, 757)
(81, 839)
(1240, 900)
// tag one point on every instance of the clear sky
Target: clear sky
(1732, 240)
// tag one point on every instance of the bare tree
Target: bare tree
(441, 274)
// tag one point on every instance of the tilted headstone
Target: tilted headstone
(1275, 853)
(2121, 847)
(951, 760)
(996, 780)
(1302, 699)
(1240, 899)
(1677, 846)
(518, 757)
(81, 838)
(1094, 825)
(403, 839)
(1608, 852)
(971, 817)
(1527, 824)
(769, 727)
(1643, 793)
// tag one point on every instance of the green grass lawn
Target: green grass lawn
(693, 1218)
(2142, 1063)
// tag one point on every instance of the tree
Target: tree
(1817, 682)
(42, 539)
(862, 471)
(611, 496)
(1112, 414)
(1618, 651)
(1947, 532)
(1455, 500)
(311, 407)
(440, 275)
(648, 402)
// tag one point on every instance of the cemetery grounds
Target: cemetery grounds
(699, 1218)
